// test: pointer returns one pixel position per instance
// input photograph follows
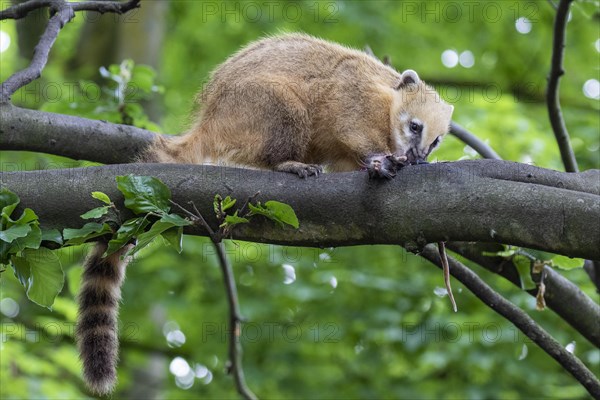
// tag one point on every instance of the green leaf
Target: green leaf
(83, 234)
(15, 232)
(231, 220)
(31, 241)
(279, 212)
(26, 217)
(228, 203)
(143, 77)
(102, 197)
(46, 277)
(144, 194)
(175, 219)
(538, 254)
(52, 235)
(21, 269)
(523, 265)
(5, 252)
(95, 212)
(129, 230)
(160, 226)
(175, 237)
(8, 202)
(508, 251)
(564, 262)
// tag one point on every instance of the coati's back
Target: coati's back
(287, 101)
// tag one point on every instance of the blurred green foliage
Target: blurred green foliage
(361, 322)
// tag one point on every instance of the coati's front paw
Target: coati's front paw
(384, 166)
(301, 169)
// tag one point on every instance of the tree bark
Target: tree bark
(484, 201)
(68, 136)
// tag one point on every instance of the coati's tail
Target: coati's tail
(96, 333)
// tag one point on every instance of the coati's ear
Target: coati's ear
(408, 77)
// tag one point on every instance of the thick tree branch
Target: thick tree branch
(520, 319)
(562, 296)
(482, 200)
(68, 136)
(482, 148)
(552, 97)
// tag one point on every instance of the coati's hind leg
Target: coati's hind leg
(288, 136)
(303, 170)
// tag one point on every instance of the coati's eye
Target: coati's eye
(416, 127)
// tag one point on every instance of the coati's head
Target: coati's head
(420, 118)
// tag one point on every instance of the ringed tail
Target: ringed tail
(97, 330)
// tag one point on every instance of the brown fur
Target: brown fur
(296, 98)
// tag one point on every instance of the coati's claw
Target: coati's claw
(301, 169)
(384, 166)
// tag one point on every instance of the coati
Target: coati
(291, 103)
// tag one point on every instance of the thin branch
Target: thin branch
(248, 200)
(106, 6)
(21, 10)
(563, 297)
(592, 268)
(552, 97)
(520, 319)
(235, 320)
(64, 14)
(482, 148)
(446, 269)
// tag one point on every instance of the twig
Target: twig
(520, 319)
(248, 200)
(21, 10)
(552, 98)
(235, 347)
(564, 296)
(106, 6)
(63, 12)
(592, 268)
(482, 148)
(446, 269)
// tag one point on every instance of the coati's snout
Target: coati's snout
(415, 157)
(420, 119)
